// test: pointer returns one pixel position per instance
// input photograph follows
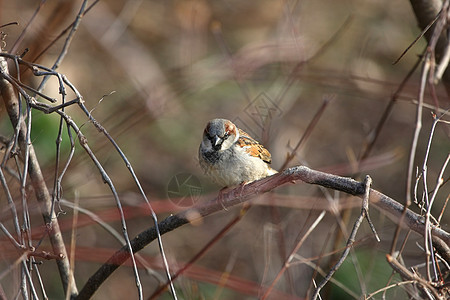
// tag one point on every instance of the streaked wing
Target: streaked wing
(252, 147)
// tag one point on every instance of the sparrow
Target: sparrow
(229, 156)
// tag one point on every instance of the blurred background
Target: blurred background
(154, 72)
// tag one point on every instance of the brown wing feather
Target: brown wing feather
(256, 149)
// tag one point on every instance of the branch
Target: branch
(34, 172)
(39, 70)
(242, 194)
(351, 240)
(435, 12)
(424, 285)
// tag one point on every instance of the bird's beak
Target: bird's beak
(216, 142)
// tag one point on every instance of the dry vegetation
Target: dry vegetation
(314, 81)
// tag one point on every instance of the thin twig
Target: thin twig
(67, 43)
(413, 148)
(73, 238)
(138, 184)
(417, 38)
(208, 246)
(11, 238)
(22, 34)
(388, 287)
(351, 239)
(373, 136)
(59, 109)
(11, 203)
(318, 270)
(429, 203)
(113, 232)
(52, 100)
(326, 100)
(83, 141)
(291, 256)
(12, 105)
(63, 32)
(412, 276)
(141, 190)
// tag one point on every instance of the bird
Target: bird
(230, 156)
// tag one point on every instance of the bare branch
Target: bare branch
(242, 194)
(408, 275)
(43, 196)
(351, 239)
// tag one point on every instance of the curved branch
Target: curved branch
(241, 194)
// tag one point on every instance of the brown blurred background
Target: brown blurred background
(154, 72)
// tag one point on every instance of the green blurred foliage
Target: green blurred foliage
(375, 271)
(44, 134)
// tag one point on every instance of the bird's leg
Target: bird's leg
(220, 198)
(241, 187)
